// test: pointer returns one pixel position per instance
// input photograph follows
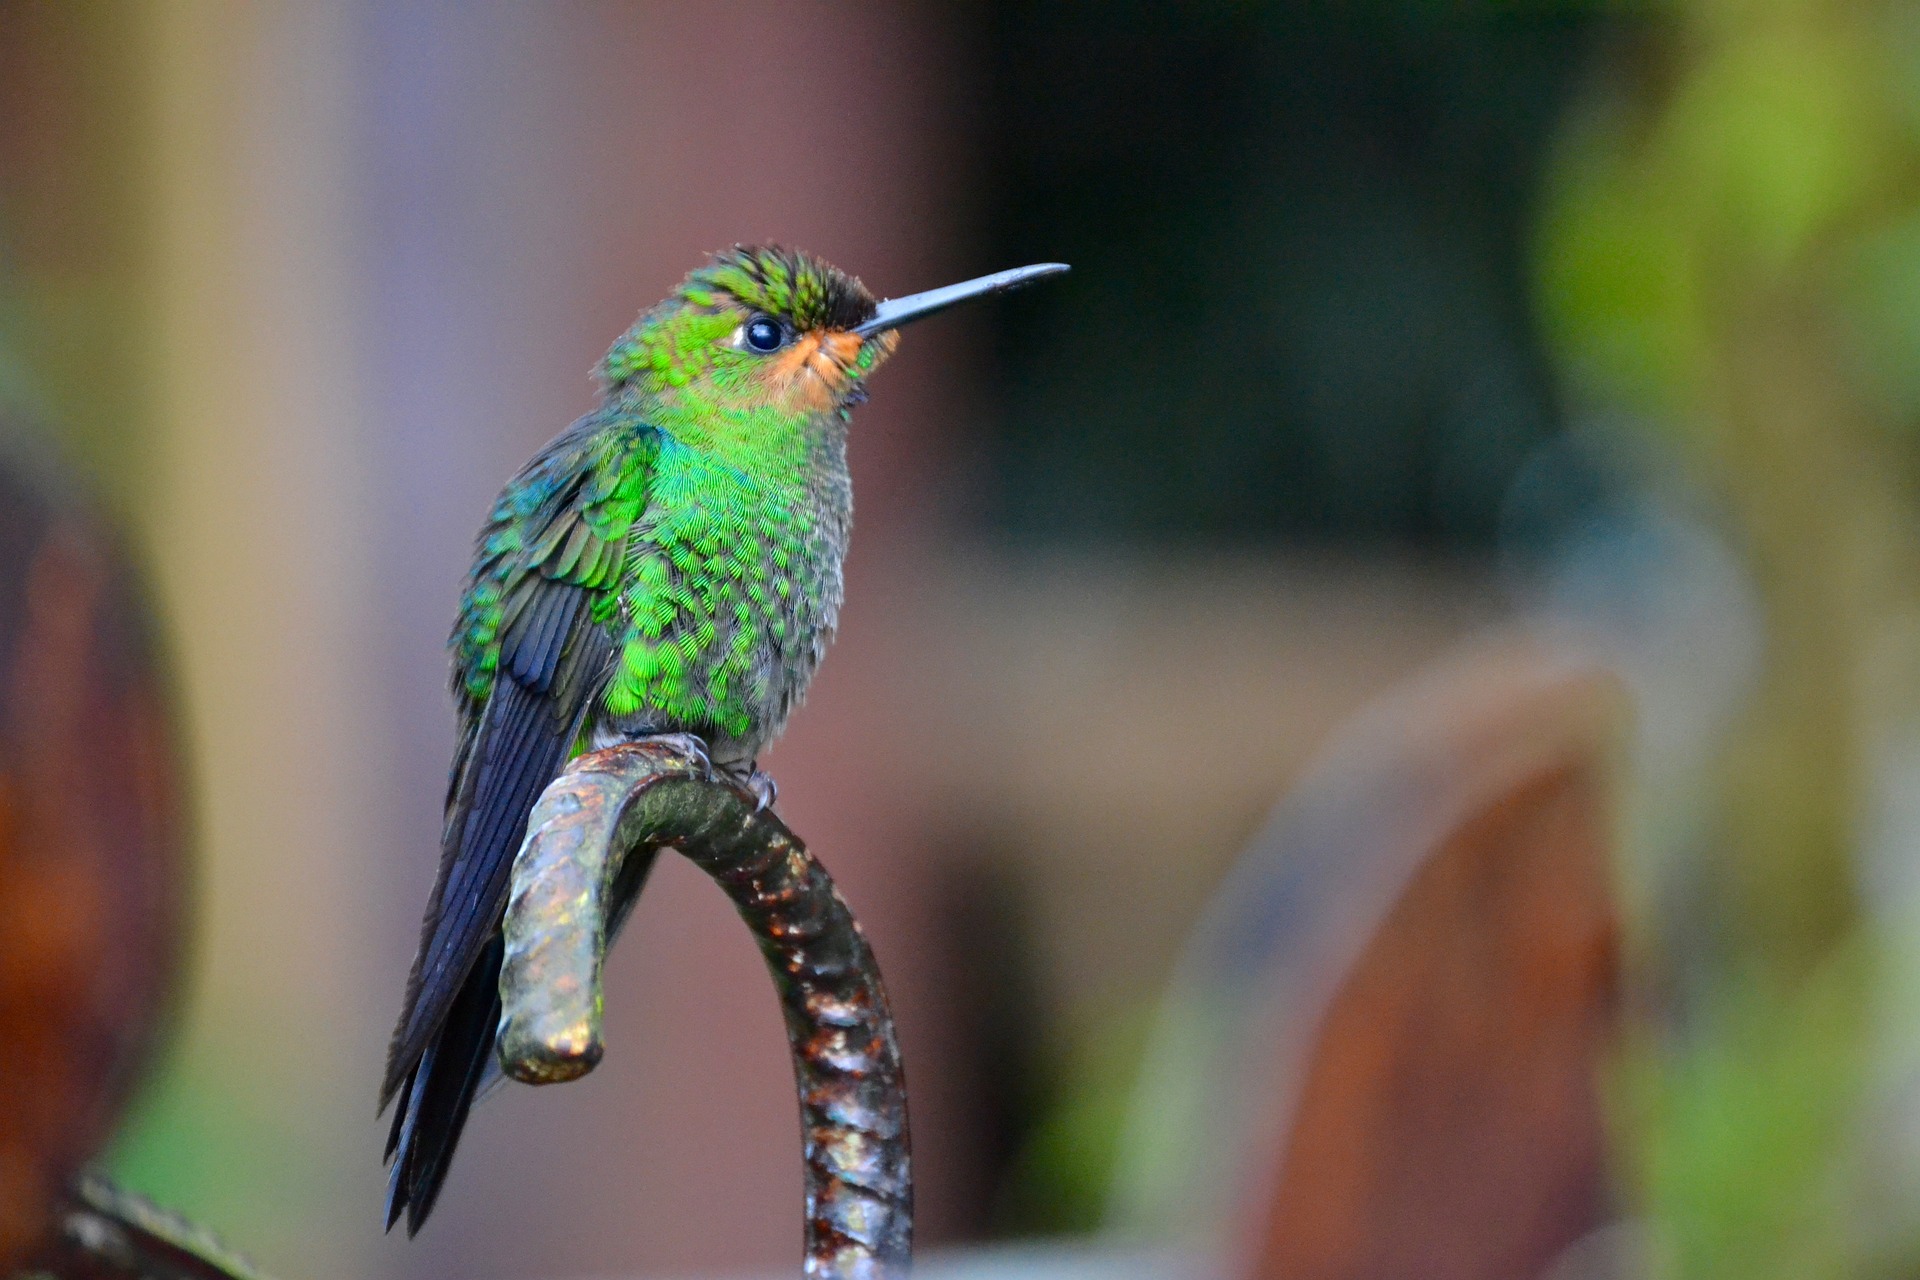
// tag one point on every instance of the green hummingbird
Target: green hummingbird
(668, 565)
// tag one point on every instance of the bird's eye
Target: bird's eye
(764, 334)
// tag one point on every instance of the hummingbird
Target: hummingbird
(670, 564)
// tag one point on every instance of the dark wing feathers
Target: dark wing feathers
(550, 661)
(537, 636)
(439, 1093)
(571, 513)
(521, 748)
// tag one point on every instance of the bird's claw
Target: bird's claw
(692, 747)
(761, 785)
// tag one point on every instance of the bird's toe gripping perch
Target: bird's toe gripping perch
(614, 806)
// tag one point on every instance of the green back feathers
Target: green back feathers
(562, 522)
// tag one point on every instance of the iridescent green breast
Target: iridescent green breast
(730, 587)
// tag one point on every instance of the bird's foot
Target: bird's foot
(765, 790)
(690, 745)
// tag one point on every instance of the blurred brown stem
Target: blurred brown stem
(614, 806)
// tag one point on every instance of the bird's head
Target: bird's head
(767, 328)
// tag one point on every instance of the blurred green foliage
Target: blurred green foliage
(1728, 255)
(1771, 144)
(1058, 1182)
(1742, 1142)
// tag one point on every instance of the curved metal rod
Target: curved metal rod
(612, 808)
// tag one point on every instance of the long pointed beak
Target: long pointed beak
(895, 312)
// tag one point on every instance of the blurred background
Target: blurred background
(1391, 325)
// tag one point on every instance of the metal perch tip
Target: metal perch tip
(590, 839)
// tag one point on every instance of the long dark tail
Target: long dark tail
(438, 1094)
(432, 1106)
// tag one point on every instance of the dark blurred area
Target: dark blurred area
(1302, 308)
(1428, 377)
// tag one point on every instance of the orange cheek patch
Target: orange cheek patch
(812, 374)
(804, 378)
(819, 364)
(794, 360)
(841, 347)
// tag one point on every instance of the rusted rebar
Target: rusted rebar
(104, 1233)
(614, 806)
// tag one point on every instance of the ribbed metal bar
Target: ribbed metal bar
(625, 802)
